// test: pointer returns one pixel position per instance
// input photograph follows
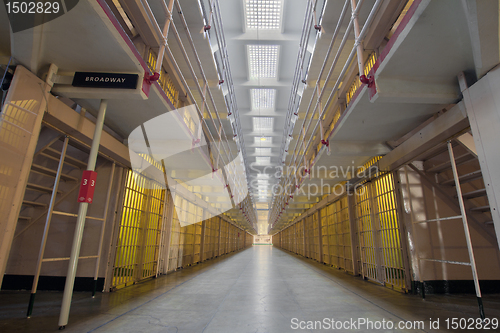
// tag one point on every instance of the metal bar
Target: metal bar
(220, 236)
(80, 223)
(162, 227)
(169, 227)
(76, 215)
(440, 219)
(108, 275)
(202, 241)
(67, 258)
(226, 67)
(161, 52)
(21, 108)
(466, 231)
(358, 44)
(151, 18)
(376, 230)
(103, 226)
(299, 68)
(448, 261)
(46, 210)
(320, 237)
(333, 65)
(47, 226)
(361, 237)
(452, 203)
(334, 90)
(325, 236)
(17, 126)
(143, 232)
(229, 155)
(399, 202)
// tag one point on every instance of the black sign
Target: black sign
(105, 80)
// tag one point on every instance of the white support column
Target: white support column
(80, 222)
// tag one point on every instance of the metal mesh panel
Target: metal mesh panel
(300, 237)
(315, 239)
(223, 237)
(208, 243)
(340, 242)
(345, 250)
(309, 234)
(217, 230)
(324, 235)
(140, 228)
(175, 238)
(152, 230)
(366, 232)
(386, 214)
(188, 244)
(132, 215)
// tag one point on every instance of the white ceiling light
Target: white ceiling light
(263, 61)
(263, 124)
(263, 139)
(262, 176)
(263, 14)
(263, 98)
(263, 151)
(263, 160)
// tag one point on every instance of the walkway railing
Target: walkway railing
(322, 106)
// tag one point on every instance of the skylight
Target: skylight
(263, 139)
(263, 124)
(262, 98)
(263, 151)
(263, 61)
(263, 160)
(263, 14)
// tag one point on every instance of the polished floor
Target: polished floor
(261, 289)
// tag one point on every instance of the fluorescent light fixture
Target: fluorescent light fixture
(263, 14)
(263, 151)
(262, 176)
(263, 160)
(263, 61)
(263, 139)
(263, 124)
(262, 98)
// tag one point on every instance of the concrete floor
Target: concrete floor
(261, 289)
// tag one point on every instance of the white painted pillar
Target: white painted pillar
(80, 222)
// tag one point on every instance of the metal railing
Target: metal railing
(308, 132)
(217, 140)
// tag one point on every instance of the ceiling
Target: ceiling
(415, 77)
(285, 36)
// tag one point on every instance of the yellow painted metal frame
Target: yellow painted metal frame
(140, 230)
(164, 81)
(378, 243)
